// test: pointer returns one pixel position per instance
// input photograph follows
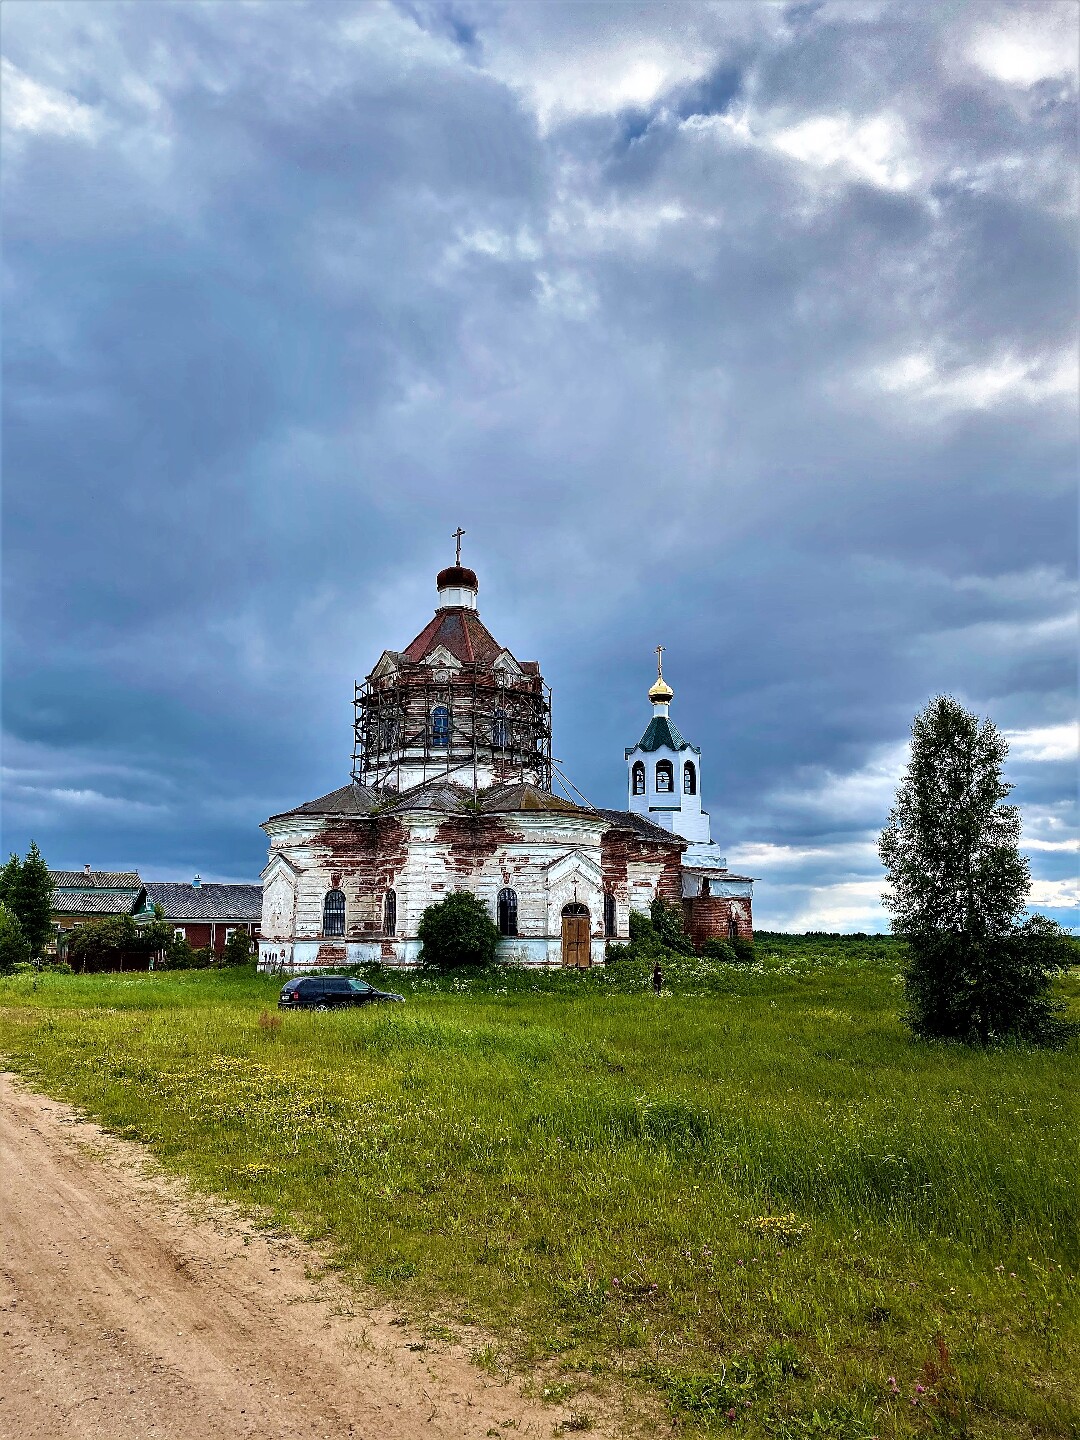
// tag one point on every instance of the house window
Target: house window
(333, 913)
(610, 917)
(639, 778)
(506, 912)
(665, 777)
(390, 912)
(689, 778)
(440, 725)
(500, 731)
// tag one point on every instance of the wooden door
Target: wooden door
(576, 936)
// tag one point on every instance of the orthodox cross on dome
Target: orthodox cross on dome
(660, 661)
(458, 533)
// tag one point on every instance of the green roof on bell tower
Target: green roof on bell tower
(660, 734)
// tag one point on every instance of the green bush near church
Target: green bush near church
(457, 931)
(755, 1193)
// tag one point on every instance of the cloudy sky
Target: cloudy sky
(747, 329)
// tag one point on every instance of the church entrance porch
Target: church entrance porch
(576, 936)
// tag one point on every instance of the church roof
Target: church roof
(351, 799)
(662, 732)
(462, 632)
(504, 798)
(440, 795)
(648, 829)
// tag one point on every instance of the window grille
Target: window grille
(390, 913)
(507, 912)
(333, 913)
(610, 919)
(440, 725)
(500, 731)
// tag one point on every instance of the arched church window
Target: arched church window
(506, 912)
(706, 889)
(333, 913)
(390, 912)
(689, 778)
(732, 928)
(440, 725)
(500, 731)
(665, 777)
(388, 731)
(638, 778)
(610, 918)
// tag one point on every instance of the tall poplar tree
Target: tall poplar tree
(975, 971)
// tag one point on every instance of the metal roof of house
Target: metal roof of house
(80, 900)
(662, 732)
(207, 901)
(96, 879)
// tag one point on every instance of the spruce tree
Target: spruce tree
(13, 947)
(958, 887)
(9, 880)
(32, 900)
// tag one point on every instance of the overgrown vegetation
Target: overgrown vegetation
(975, 972)
(753, 1196)
(457, 931)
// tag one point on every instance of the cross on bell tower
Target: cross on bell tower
(458, 533)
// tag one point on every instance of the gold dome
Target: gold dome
(661, 692)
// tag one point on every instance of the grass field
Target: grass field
(757, 1199)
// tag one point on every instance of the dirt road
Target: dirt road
(129, 1309)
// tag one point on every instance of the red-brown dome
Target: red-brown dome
(456, 577)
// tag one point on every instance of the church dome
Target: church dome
(661, 693)
(456, 577)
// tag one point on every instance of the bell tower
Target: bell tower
(663, 771)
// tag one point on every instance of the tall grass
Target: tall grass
(758, 1198)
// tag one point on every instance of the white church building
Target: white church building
(452, 788)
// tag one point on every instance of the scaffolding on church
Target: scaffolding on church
(449, 725)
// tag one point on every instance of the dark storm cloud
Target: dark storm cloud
(744, 328)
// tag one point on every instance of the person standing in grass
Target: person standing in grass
(657, 978)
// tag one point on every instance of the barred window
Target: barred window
(500, 731)
(390, 912)
(333, 913)
(506, 912)
(440, 725)
(610, 918)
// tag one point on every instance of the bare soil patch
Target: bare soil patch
(131, 1308)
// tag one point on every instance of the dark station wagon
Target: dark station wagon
(329, 992)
